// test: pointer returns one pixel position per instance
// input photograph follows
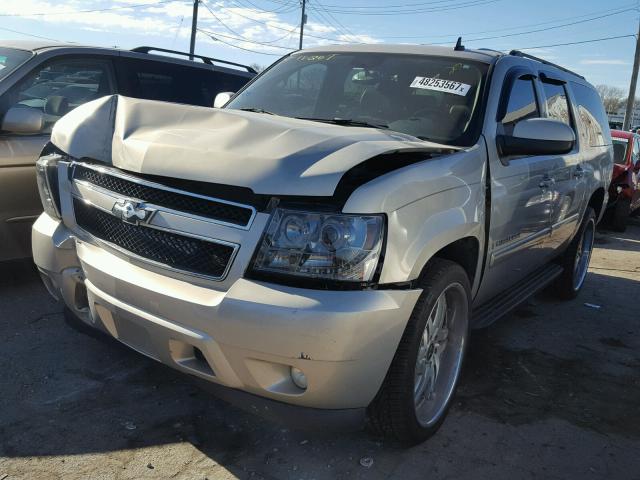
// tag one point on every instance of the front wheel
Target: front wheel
(419, 386)
(575, 260)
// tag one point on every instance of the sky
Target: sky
(260, 31)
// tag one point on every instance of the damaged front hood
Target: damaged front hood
(268, 153)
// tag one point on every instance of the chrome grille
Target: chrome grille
(156, 194)
(184, 253)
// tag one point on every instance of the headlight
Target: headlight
(47, 177)
(329, 246)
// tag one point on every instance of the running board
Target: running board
(503, 303)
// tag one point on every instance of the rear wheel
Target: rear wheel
(419, 386)
(576, 259)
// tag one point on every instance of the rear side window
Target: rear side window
(556, 102)
(522, 103)
(593, 124)
(620, 146)
(155, 80)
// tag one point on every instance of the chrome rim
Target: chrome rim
(583, 255)
(440, 354)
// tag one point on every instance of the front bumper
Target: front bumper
(247, 337)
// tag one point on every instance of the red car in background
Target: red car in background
(624, 191)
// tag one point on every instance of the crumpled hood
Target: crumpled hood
(268, 153)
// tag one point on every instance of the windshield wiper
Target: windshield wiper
(347, 122)
(257, 110)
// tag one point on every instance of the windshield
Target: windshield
(620, 150)
(432, 98)
(11, 58)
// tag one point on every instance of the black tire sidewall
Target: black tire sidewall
(621, 214)
(564, 287)
(433, 286)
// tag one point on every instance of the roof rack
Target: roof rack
(207, 60)
(490, 50)
(518, 53)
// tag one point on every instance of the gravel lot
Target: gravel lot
(551, 391)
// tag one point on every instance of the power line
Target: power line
(543, 29)
(243, 39)
(364, 7)
(177, 32)
(338, 23)
(578, 43)
(448, 35)
(73, 12)
(238, 47)
(442, 8)
(285, 7)
(32, 35)
(271, 25)
(206, 5)
(240, 35)
(329, 23)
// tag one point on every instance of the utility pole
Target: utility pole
(194, 27)
(628, 114)
(303, 20)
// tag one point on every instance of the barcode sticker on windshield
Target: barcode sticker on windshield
(441, 85)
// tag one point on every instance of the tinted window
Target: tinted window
(154, 80)
(593, 124)
(556, 102)
(433, 98)
(10, 58)
(59, 86)
(522, 103)
(620, 146)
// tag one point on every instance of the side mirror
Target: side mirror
(538, 136)
(21, 119)
(222, 98)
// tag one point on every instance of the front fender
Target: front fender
(419, 230)
(429, 205)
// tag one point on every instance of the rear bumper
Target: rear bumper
(247, 338)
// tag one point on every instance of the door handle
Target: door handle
(579, 172)
(547, 182)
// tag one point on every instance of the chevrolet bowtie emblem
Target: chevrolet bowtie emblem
(131, 212)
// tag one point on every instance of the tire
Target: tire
(569, 284)
(72, 320)
(399, 410)
(621, 213)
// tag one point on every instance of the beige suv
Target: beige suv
(40, 82)
(327, 239)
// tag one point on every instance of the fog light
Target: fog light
(299, 378)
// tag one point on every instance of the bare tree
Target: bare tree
(613, 98)
(257, 67)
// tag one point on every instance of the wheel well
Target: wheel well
(597, 201)
(464, 252)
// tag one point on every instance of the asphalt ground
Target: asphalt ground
(551, 391)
